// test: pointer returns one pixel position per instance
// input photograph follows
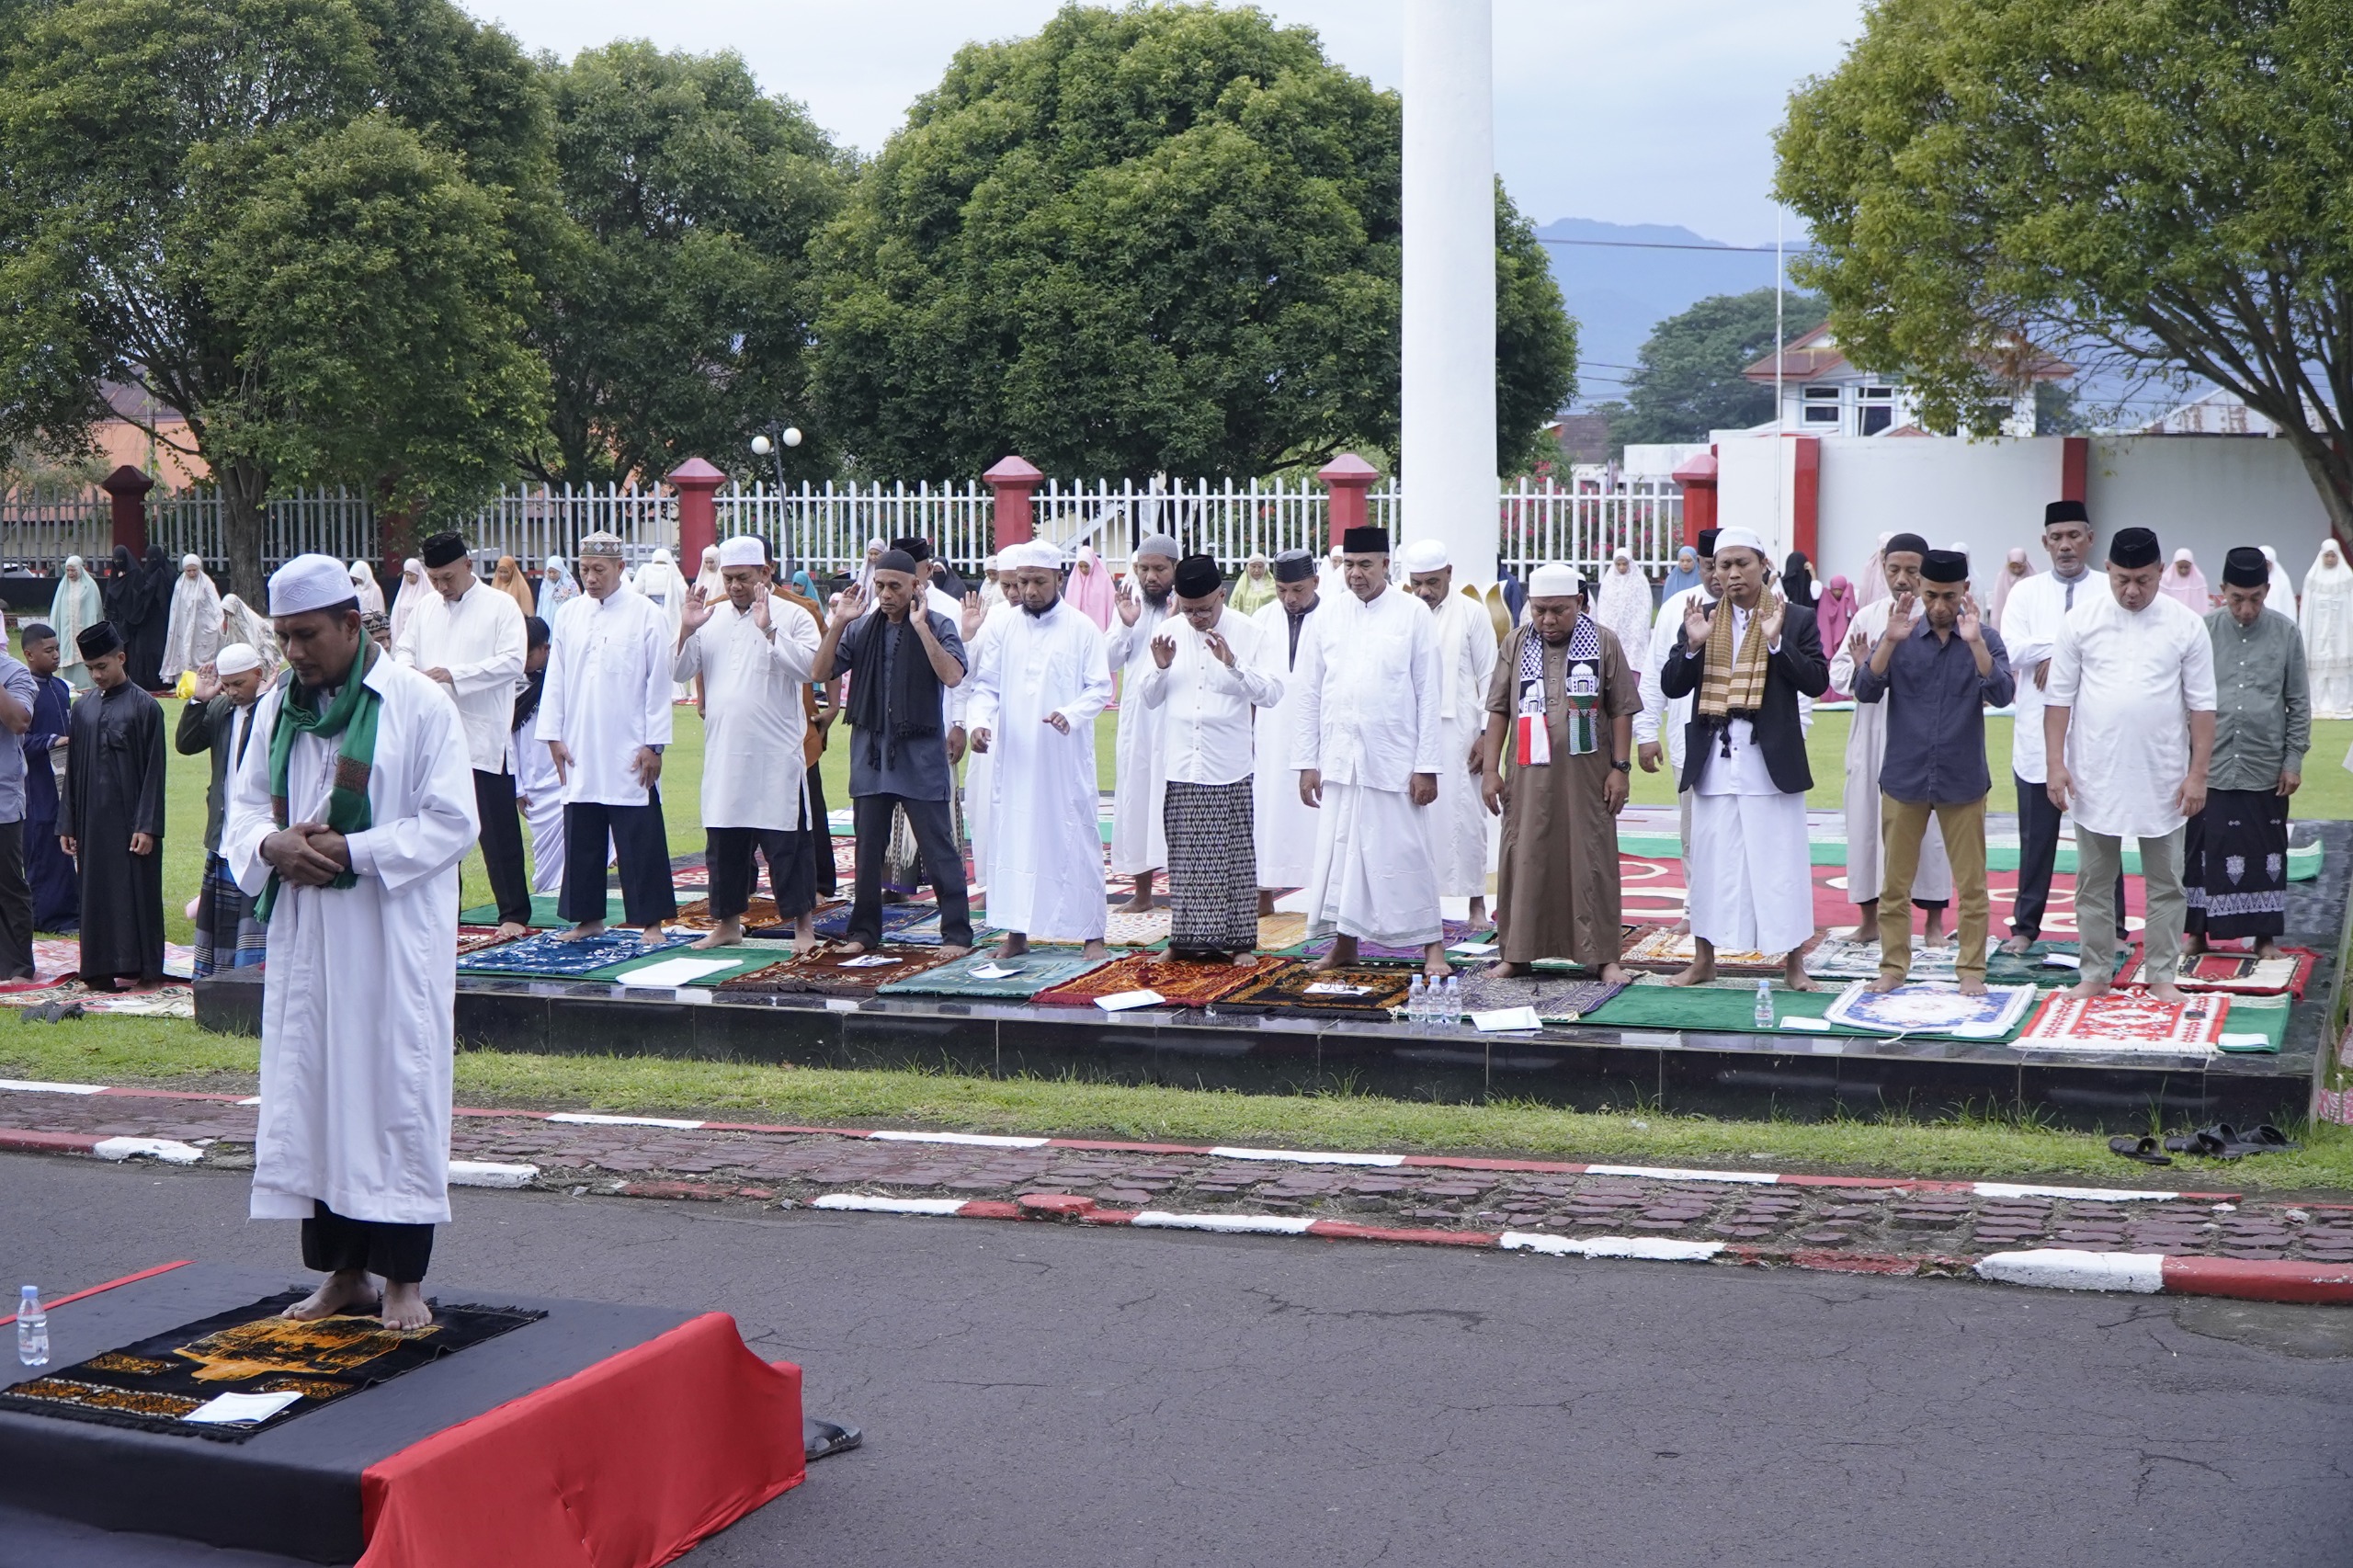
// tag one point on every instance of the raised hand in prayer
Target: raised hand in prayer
(1695, 624)
(760, 606)
(208, 683)
(1967, 624)
(975, 613)
(696, 609)
(1775, 610)
(1129, 607)
(1858, 647)
(1422, 789)
(1900, 611)
(1218, 648)
(1164, 650)
(846, 609)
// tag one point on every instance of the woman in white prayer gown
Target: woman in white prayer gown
(660, 581)
(412, 591)
(2282, 596)
(240, 624)
(556, 588)
(1624, 606)
(363, 581)
(75, 605)
(193, 633)
(2328, 632)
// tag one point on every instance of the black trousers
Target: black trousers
(502, 846)
(734, 877)
(331, 1244)
(642, 846)
(943, 864)
(821, 833)
(2038, 853)
(16, 906)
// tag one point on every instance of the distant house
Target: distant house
(2218, 413)
(168, 455)
(1822, 393)
(1582, 437)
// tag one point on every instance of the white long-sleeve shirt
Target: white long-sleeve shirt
(479, 640)
(2031, 619)
(1370, 690)
(753, 775)
(2131, 679)
(1659, 712)
(1466, 650)
(607, 692)
(1205, 706)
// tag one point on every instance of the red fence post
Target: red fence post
(695, 480)
(127, 488)
(1349, 477)
(1698, 478)
(1014, 479)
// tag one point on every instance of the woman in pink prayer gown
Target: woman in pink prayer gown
(1089, 590)
(2013, 571)
(1832, 615)
(2184, 581)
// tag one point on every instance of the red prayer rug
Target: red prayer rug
(1656, 892)
(835, 971)
(1181, 983)
(2127, 1021)
(2243, 974)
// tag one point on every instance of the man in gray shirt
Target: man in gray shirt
(2235, 853)
(18, 692)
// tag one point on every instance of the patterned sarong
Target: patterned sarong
(2234, 865)
(1212, 867)
(227, 935)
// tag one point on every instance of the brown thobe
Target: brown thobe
(1557, 887)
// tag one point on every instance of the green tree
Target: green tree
(1535, 343)
(1690, 377)
(679, 304)
(2148, 184)
(136, 135)
(1162, 238)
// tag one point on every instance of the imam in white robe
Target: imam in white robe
(1466, 652)
(1138, 775)
(2132, 680)
(1284, 824)
(360, 986)
(1370, 687)
(1865, 752)
(607, 692)
(753, 775)
(2031, 617)
(1045, 857)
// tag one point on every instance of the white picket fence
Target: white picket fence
(826, 527)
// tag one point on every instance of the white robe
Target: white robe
(753, 775)
(539, 795)
(1663, 718)
(1370, 687)
(358, 994)
(1467, 661)
(1284, 824)
(1045, 865)
(607, 692)
(482, 642)
(1866, 753)
(1623, 605)
(2327, 625)
(2031, 619)
(193, 634)
(980, 766)
(1752, 883)
(1138, 773)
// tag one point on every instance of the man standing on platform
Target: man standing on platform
(1370, 744)
(605, 716)
(2128, 726)
(1748, 660)
(753, 654)
(2235, 853)
(1561, 721)
(1931, 882)
(468, 638)
(2031, 620)
(111, 817)
(1139, 837)
(901, 660)
(1935, 668)
(1282, 824)
(347, 819)
(1466, 653)
(1658, 728)
(219, 720)
(1043, 678)
(57, 892)
(1209, 674)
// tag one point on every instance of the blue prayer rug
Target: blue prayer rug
(549, 956)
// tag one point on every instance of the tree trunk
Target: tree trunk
(245, 496)
(2331, 475)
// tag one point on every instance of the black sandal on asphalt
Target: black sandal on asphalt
(821, 1438)
(2142, 1149)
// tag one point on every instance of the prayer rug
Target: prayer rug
(1916, 1008)
(1652, 1004)
(474, 939)
(2126, 1021)
(834, 924)
(1557, 999)
(1662, 949)
(162, 1383)
(1449, 932)
(1033, 971)
(1294, 990)
(543, 914)
(1841, 958)
(57, 959)
(836, 971)
(926, 933)
(1146, 930)
(550, 957)
(2243, 974)
(2258, 1025)
(759, 914)
(1182, 982)
(685, 878)
(1656, 892)
(740, 959)
(172, 999)
(1281, 932)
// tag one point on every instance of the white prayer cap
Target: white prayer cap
(1031, 554)
(1741, 539)
(1159, 545)
(1555, 581)
(308, 583)
(744, 549)
(1426, 555)
(191, 559)
(236, 659)
(988, 562)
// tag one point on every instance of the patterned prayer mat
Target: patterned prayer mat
(474, 939)
(1452, 932)
(173, 999)
(834, 924)
(2126, 1021)
(1557, 999)
(2243, 974)
(59, 959)
(926, 933)
(1033, 971)
(163, 1382)
(1182, 982)
(551, 956)
(1659, 948)
(1917, 1008)
(1841, 958)
(1147, 929)
(1293, 990)
(1281, 932)
(696, 879)
(836, 971)
(2258, 1025)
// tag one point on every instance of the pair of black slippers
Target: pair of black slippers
(52, 1013)
(2218, 1141)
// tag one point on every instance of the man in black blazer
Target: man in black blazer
(1750, 874)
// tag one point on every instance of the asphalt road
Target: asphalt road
(1045, 1395)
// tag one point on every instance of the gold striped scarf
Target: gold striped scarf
(1734, 683)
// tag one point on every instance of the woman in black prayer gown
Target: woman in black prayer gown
(111, 817)
(125, 595)
(150, 637)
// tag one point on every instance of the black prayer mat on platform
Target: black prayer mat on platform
(1297, 991)
(155, 1384)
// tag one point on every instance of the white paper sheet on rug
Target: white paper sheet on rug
(677, 971)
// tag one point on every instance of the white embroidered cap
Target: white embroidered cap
(309, 583)
(744, 549)
(1555, 581)
(235, 660)
(1426, 555)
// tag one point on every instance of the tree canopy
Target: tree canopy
(2159, 186)
(1689, 383)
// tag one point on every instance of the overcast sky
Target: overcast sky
(1655, 112)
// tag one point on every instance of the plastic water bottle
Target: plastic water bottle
(1417, 1006)
(1454, 1016)
(32, 1328)
(1764, 1004)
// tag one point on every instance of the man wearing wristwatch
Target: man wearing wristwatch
(1554, 764)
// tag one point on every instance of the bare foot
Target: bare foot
(650, 936)
(1702, 972)
(1794, 976)
(350, 1288)
(726, 934)
(1972, 986)
(1478, 913)
(510, 929)
(1343, 951)
(1885, 984)
(1015, 944)
(2264, 948)
(1866, 923)
(404, 1305)
(1434, 962)
(1683, 927)
(1266, 902)
(2017, 946)
(1141, 900)
(949, 953)
(1935, 937)
(2090, 985)
(1504, 969)
(1098, 949)
(2191, 945)
(582, 932)
(1616, 974)
(1244, 960)
(2165, 991)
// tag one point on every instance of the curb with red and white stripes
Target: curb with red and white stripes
(2047, 1267)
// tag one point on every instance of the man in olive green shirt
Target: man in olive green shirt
(2234, 855)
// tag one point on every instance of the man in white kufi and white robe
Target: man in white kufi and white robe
(1659, 727)
(1285, 825)
(1037, 684)
(1140, 776)
(1466, 652)
(360, 985)
(1370, 744)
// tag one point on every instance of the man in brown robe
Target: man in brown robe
(1561, 719)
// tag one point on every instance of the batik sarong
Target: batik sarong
(1212, 867)
(2234, 865)
(227, 935)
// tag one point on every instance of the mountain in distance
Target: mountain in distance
(1618, 292)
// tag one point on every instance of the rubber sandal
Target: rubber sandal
(822, 1440)
(2142, 1149)
(2262, 1139)
(2203, 1144)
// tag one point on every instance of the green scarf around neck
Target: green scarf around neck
(351, 715)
